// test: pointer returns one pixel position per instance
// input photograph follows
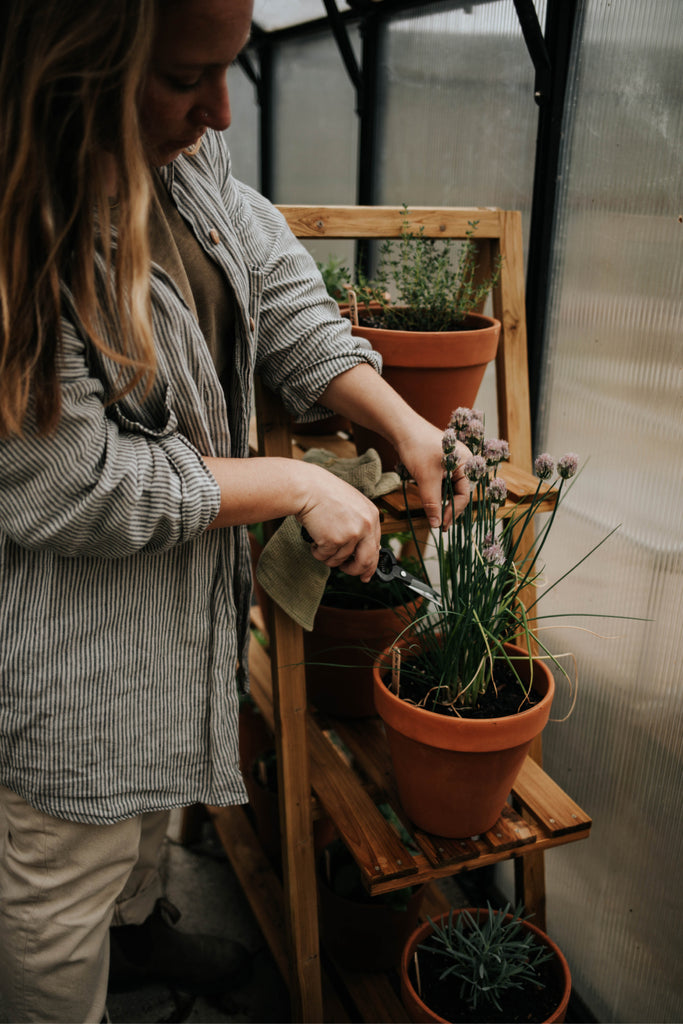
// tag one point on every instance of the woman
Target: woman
(141, 287)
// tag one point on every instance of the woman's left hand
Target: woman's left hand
(421, 454)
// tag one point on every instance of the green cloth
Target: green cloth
(287, 570)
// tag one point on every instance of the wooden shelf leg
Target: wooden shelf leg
(530, 885)
(298, 859)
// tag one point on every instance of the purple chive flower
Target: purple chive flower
(495, 451)
(468, 425)
(544, 466)
(567, 465)
(475, 468)
(474, 435)
(449, 440)
(493, 555)
(497, 491)
(449, 461)
(488, 538)
(460, 418)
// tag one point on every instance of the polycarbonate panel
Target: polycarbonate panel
(457, 113)
(613, 392)
(457, 118)
(271, 15)
(316, 129)
(243, 134)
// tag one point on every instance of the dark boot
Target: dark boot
(155, 951)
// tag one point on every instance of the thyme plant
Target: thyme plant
(435, 280)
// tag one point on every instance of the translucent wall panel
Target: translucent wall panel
(613, 391)
(273, 14)
(316, 129)
(243, 134)
(457, 116)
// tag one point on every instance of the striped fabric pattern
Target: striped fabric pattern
(123, 619)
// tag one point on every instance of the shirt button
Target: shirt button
(252, 324)
(214, 236)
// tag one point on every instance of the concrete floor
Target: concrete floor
(200, 882)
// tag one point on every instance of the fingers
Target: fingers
(344, 528)
(360, 560)
(428, 472)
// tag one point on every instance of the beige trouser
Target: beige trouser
(61, 886)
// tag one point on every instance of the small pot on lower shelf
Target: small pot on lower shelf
(440, 1001)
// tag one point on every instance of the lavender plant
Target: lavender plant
(487, 954)
(485, 563)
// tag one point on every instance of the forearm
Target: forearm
(367, 399)
(253, 490)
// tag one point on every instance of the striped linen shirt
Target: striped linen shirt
(123, 619)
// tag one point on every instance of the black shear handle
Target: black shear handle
(387, 566)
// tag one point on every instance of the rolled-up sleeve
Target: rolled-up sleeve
(97, 486)
(303, 343)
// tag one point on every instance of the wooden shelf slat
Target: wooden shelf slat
(550, 805)
(258, 880)
(509, 833)
(373, 995)
(374, 844)
(387, 221)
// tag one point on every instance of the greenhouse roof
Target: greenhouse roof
(272, 15)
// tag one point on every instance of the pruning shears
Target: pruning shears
(390, 569)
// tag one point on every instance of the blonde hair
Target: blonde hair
(70, 77)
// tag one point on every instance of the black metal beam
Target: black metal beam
(535, 44)
(262, 79)
(266, 120)
(563, 24)
(367, 144)
(341, 37)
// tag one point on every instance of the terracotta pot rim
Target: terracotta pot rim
(480, 734)
(394, 609)
(472, 347)
(423, 929)
(472, 324)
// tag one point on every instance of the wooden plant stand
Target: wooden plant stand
(342, 769)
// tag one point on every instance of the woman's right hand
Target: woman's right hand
(343, 524)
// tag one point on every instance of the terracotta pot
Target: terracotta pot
(435, 372)
(346, 642)
(454, 774)
(419, 1012)
(365, 936)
